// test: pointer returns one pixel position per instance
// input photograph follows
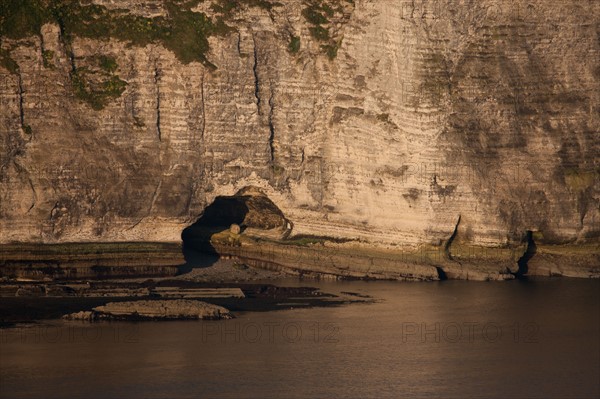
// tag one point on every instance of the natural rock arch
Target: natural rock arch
(249, 208)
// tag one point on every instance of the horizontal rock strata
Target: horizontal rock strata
(406, 117)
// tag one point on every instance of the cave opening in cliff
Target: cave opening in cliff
(223, 212)
(249, 208)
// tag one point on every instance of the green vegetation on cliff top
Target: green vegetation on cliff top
(182, 31)
(294, 45)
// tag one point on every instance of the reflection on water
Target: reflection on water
(448, 339)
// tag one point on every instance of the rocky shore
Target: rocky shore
(246, 290)
(179, 309)
(255, 254)
(249, 228)
(237, 244)
(73, 261)
(319, 257)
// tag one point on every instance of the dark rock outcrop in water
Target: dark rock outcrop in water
(179, 309)
(375, 121)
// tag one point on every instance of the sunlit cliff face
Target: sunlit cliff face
(381, 120)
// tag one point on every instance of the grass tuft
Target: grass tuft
(322, 15)
(294, 45)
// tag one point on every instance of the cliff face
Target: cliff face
(406, 118)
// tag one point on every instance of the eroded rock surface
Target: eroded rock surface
(418, 114)
(180, 309)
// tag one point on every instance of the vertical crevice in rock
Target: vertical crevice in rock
(61, 38)
(451, 240)
(67, 45)
(33, 203)
(157, 84)
(21, 109)
(24, 127)
(256, 81)
(529, 253)
(42, 47)
(271, 129)
(71, 56)
(69, 53)
(203, 127)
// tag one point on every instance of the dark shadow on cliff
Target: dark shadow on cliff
(530, 252)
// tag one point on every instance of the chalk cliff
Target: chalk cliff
(396, 123)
